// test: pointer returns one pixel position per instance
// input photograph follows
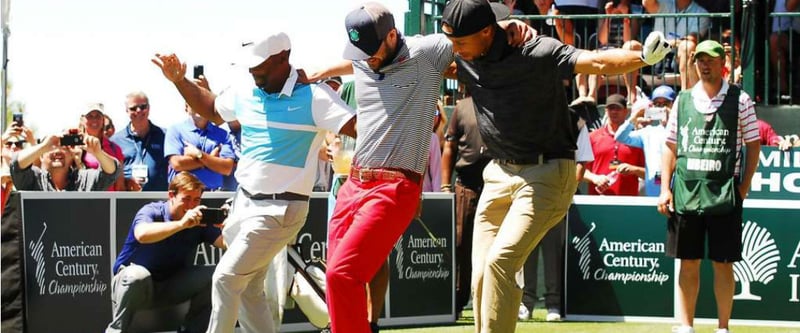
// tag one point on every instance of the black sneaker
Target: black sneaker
(374, 327)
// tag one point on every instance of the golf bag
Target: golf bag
(308, 287)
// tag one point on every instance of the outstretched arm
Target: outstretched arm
(200, 99)
(619, 61)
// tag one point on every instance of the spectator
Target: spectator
(620, 33)
(200, 147)
(13, 140)
(577, 33)
(651, 137)
(56, 173)
(617, 167)
(784, 30)
(432, 181)
(525, 123)
(151, 271)
(93, 125)
(464, 153)
(108, 127)
(142, 143)
(684, 33)
(705, 202)
(768, 137)
(276, 174)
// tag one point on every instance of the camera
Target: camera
(198, 70)
(213, 215)
(73, 138)
(17, 118)
(655, 114)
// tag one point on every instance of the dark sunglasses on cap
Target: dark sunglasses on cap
(140, 107)
(15, 143)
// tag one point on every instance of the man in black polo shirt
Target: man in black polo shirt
(523, 119)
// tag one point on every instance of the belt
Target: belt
(367, 175)
(539, 158)
(287, 196)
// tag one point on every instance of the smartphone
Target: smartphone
(17, 118)
(198, 70)
(73, 138)
(213, 215)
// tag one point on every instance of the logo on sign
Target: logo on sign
(37, 253)
(582, 246)
(760, 257)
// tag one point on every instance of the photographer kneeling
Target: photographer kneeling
(151, 269)
(56, 172)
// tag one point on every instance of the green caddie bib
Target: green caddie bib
(706, 157)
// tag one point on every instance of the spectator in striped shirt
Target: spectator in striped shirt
(707, 126)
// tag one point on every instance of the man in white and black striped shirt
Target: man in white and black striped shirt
(397, 82)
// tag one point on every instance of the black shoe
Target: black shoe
(374, 327)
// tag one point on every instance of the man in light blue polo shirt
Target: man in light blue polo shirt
(142, 143)
(283, 125)
(200, 147)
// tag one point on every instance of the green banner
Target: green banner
(615, 261)
(777, 176)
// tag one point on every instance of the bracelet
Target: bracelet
(446, 187)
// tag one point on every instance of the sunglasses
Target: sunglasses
(140, 107)
(16, 143)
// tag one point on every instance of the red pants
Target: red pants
(368, 219)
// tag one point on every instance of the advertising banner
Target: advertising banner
(67, 250)
(615, 260)
(777, 176)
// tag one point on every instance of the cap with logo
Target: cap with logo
(94, 107)
(617, 99)
(466, 17)
(259, 51)
(367, 27)
(663, 91)
(710, 47)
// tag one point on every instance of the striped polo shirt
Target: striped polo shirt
(282, 132)
(396, 105)
(748, 126)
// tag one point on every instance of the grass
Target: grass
(538, 324)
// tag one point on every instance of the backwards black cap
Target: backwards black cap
(466, 17)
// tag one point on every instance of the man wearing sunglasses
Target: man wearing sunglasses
(142, 144)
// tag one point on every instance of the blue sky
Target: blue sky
(66, 54)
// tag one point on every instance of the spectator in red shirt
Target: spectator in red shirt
(93, 122)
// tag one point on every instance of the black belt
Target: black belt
(287, 196)
(538, 158)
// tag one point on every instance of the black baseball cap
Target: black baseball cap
(466, 17)
(367, 27)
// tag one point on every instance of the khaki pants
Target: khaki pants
(519, 204)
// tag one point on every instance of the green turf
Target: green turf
(538, 324)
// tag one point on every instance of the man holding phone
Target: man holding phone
(56, 172)
(151, 269)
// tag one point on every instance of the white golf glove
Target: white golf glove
(655, 48)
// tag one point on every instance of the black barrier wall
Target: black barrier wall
(72, 239)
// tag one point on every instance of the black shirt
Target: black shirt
(520, 102)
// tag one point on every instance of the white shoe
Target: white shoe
(722, 330)
(682, 329)
(553, 315)
(523, 313)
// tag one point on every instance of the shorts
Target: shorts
(686, 236)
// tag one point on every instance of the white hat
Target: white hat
(257, 52)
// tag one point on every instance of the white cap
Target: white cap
(255, 53)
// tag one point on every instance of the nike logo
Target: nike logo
(295, 108)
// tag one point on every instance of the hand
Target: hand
(190, 150)
(132, 185)
(601, 183)
(655, 48)
(784, 145)
(12, 130)
(517, 32)
(743, 190)
(192, 217)
(665, 206)
(172, 67)
(92, 144)
(609, 7)
(53, 140)
(625, 169)
(215, 151)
